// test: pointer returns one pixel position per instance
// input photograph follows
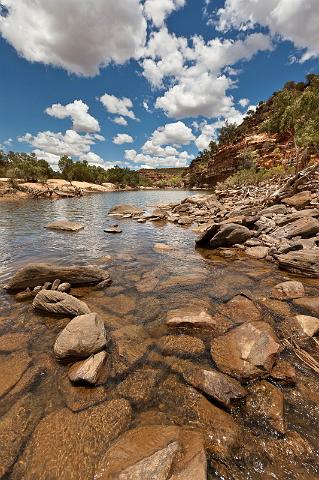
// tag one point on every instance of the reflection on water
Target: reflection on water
(146, 284)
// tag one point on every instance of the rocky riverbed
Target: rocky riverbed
(167, 363)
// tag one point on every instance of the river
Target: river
(147, 283)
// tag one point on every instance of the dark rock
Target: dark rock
(35, 274)
(230, 235)
(113, 230)
(284, 372)
(208, 234)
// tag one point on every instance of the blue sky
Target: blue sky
(170, 71)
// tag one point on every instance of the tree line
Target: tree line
(27, 167)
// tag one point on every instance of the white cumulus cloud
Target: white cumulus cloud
(294, 20)
(80, 36)
(120, 121)
(172, 134)
(158, 10)
(122, 138)
(78, 111)
(119, 106)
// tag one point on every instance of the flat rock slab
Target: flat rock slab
(309, 304)
(12, 368)
(138, 387)
(240, 309)
(113, 230)
(35, 274)
(65, 225)
(155, 452)
(184, 345)
(67, 445)
(15, 428)
(83, 336)
(190, 317)
(59, 303)
(257, 252)
(124, 209)
(14, 341)
(120, 304)
(248, 351)
(304, 263)
(303, 227)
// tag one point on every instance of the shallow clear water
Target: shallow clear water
(177, 278)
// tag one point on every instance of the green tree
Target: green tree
(228, 133)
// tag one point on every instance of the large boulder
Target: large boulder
(207, 235)
(155, 452)
(248, 351)
(303, 227)
(67, 445)
(82, 337)
(64, 225)
(35, 274)
(124, 209)
(59, 303)
(304, 263)
(230, 234)
(299, 200)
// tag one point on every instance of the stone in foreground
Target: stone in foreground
(82, 337)
(230, 235)
(309, 325)
(190, 317)
(59, 303)
(35, 274)
(88, 370)
(67, 445)
(155, 452)
(65, 225)
(288, 290)
(248, 351)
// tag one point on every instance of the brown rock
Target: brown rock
(12, 368)
(66, 446)
(178, 280)
(184, 404)
(130, 345)
(248, 351)
(303, 227)
(35, 274)
(155, 452)
(139, 386)
(82, 337)
(240, 309)
(88, 370)
(59, 303)
(194, 317)
(80, 397)
(284, 372)
(124, 209)
(257, 252)
(309, 325)
(265, 404)
(65, 225)
(304, 263)
(288, 290)
(120, 304)
(220, 387)
(15, 428)
(13, 341)
(299, 200)
(182, 345)
(310, 304)
(207, 235)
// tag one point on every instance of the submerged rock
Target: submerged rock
(35, 274)
(265, 404)
(248, 351)
(124, 209)
(88, 370)
(12, 368)
(240, 309)
(82, 337)
(59, 303)
(67, 445)
(15, 428)
(65, 225)
(155, 452)
(113, 230)
(194, 317)
(139, 386)
(182, 345)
